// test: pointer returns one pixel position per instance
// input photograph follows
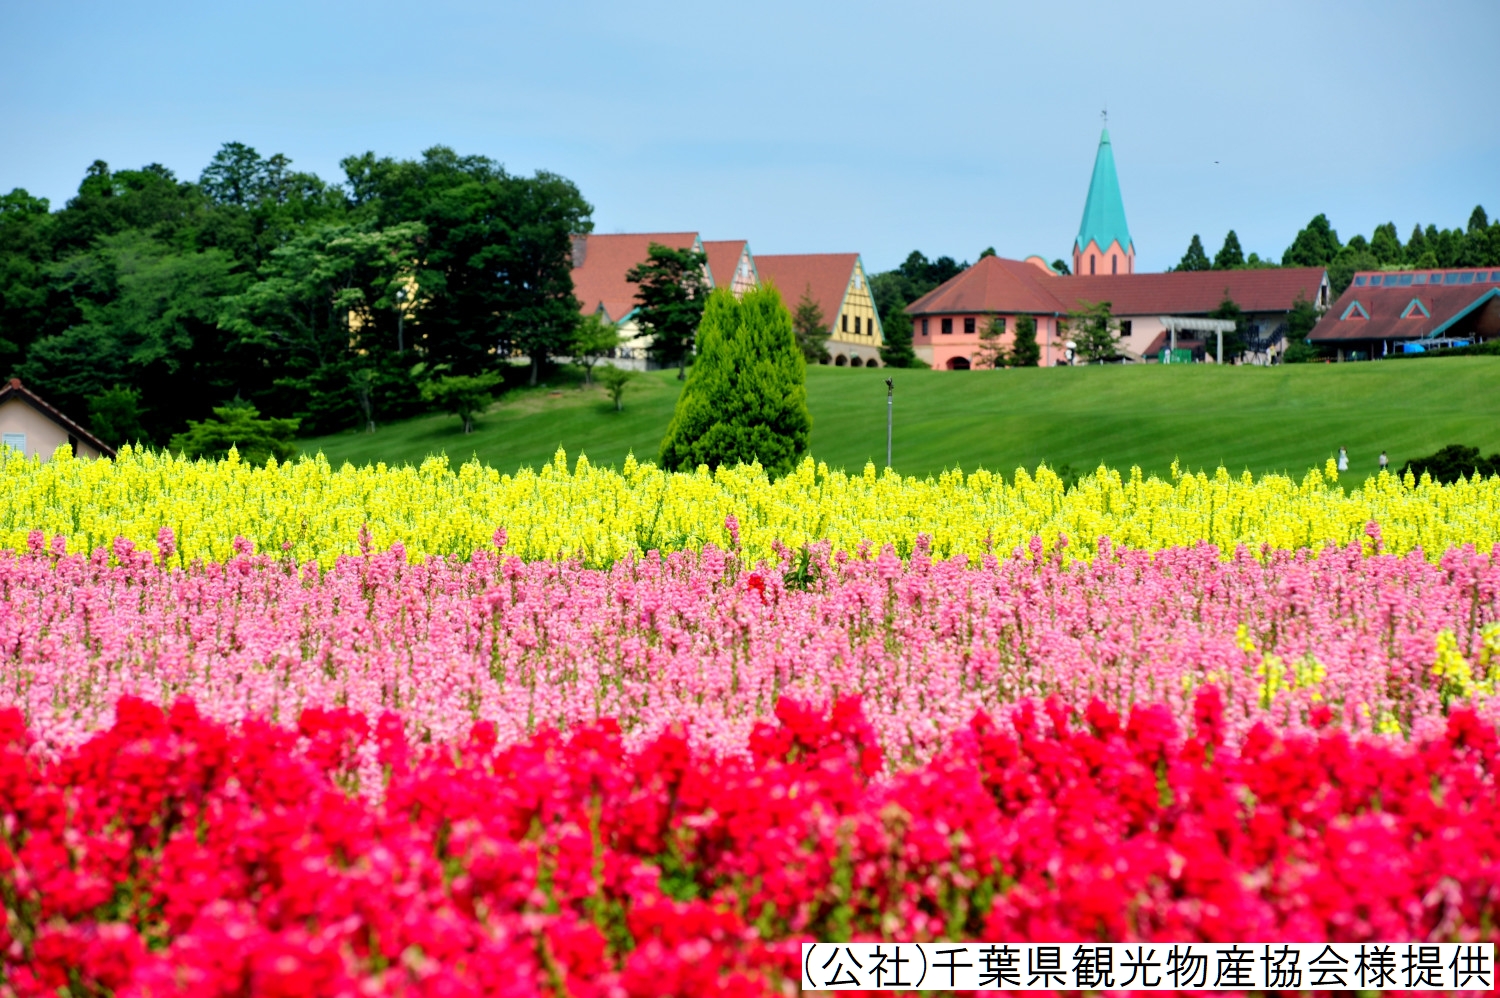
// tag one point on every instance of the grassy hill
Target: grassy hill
(1260, 419)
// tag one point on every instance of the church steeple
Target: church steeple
(1103, 245)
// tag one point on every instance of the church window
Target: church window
(1091, 264)
(1114, 264)
(947, 327)
(969, 324)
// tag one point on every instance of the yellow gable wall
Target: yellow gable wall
(857, 303)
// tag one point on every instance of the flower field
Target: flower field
(298, 731)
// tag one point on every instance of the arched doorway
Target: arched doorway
(840, 360)
(855, 362)
(958, 364)
(872, 362)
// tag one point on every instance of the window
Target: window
(1091, 264)
(1419, 279)
(1114, 264)
(1390, 280)
(1466, 279)
(1450, 279)
(1495, 275)
(947, 327)
(1359, 281)
(924, 327)
(1355, 311)
(1405, 280)
(969, 324)
(844, 323)
(856, 325)
(16, 440)
(1124, 328)
(1482, 277)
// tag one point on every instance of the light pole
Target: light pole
(890, 402)
(400, 320)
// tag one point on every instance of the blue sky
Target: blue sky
(876, 127)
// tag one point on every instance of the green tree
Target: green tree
(1350, 260)
(594, 338)
(1025, 351)
(614, 380)
(1195, 258)
(991, 352)
(25, 253)
(1094, 331)
(811, 329)
(671, 289)
(746, 399)
(115, 416)
(1061, 266)
(1236, 340)
(462, 395)
(893, 290)
(987, 251)
(1299, 323)
(1385, 245)
(1416, 246)
(1230, 255)
(238, 426)
(1315, 246)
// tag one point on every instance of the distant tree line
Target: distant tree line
(147, 302)
(1317, 245)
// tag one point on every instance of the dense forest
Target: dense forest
(147, 301)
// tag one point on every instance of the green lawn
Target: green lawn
(1264, 419)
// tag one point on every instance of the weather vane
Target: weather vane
(1104, 114)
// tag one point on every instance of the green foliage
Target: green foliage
(462, 395)
(614, 380)
(594, 338)
(1230, 255)
(1451, 463)
(811, 329)
(240, 427)
(987, 251)
(1315, 246)
(1385, 245)
(1094, 330)
(1025, 351)
(1195, 258)
(672, 289)
(991, 352)
(893, 290)
(115, 416)
(1061, 266)
(1235, 341)
(746, 399)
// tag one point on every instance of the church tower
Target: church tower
(1103, 245)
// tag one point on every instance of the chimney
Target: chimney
(580, 250)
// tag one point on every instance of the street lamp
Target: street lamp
(400, 320)
(890, 393)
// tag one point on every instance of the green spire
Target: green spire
(1104, 211)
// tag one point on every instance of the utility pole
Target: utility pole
(890, 393)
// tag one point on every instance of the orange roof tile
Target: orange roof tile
(723, 259)
(994, 284)
(599, 278)
(823, 276)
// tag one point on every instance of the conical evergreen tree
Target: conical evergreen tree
(1230, 255)
(746, 395)
(1195, 258)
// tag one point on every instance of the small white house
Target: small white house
(31, 425)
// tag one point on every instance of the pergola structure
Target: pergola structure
(1217, 326)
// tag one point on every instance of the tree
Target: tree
(746, 399)
(991, 352)
(115, 416)
(1093, 330)
(1315, 246)
(614, 380)
(1235, 340)
(672, 291)
(1061, 266)
(1451, 463)
(1230, 255)
(1299, 323)
(594, 338)
(462, 395)
(893, 290)
(1351, 259)
(1024, 350)
(987, 251)
(1194, 258)
(811, 329)
(1385, 245)
(897, 350)
(238, 426)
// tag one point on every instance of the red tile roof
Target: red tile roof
(599, 281)
(995, 284)
(723, 259)
(1384, 306)
(823, 275)
(14, 389)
